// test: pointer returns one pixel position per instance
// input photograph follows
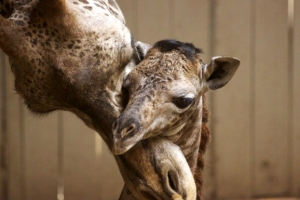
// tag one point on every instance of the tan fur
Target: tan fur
(71, 55)
(166, 99)
(152, 86)
(177, 197)
(73, 58)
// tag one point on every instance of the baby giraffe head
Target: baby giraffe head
(164, 90)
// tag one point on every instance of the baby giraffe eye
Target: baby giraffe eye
(183, 102)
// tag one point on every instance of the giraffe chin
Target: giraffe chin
(119, 148)
(120, 145)
(126, 132)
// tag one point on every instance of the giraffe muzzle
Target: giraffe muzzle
(125, 134)
(158, 172)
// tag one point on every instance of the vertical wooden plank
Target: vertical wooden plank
(129, 9)
(271, 97)
(153, 20)
(296, 103)
(191, 23)
(2, 125)
(15, 153)
(88, 175)
(231, 104)
(109, 174)
(40, 156)
(210, 154)
(80, 177)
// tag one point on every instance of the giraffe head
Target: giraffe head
(165, 89)
(68, 55)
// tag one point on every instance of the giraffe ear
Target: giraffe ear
(140, 50)
(219, 71)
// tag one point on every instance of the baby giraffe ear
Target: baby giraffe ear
(219, 71)
(140, 50)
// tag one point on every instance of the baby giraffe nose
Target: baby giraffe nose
(124, 134)
(127, 130)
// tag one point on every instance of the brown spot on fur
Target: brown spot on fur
(70, 46)
(84, 1)
(28, 34)
(98, 5)
(19, 22)
(88, 7)
(113, 12)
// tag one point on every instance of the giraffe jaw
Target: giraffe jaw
(174, 131)
(121, 145)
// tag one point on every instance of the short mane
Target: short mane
(188, 49)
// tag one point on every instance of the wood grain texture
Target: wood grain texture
(153, 20)
(109, 174)
(15, 145)
(296, 104)
(271, 98)
(194, 29)
(88, 175)
(231, 116)
(80, 176)
(129, 9)
(2, 131)
(40, 156)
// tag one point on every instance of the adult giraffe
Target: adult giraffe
(71, 55)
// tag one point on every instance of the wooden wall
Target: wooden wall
(52, 155)
(255, 148)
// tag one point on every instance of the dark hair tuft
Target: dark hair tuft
(188, 49)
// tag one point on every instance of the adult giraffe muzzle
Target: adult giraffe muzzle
(165, 164)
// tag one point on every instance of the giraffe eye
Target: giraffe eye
(183, 102)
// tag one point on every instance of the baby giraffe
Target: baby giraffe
(166, 99)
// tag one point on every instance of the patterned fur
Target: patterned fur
(71, 55)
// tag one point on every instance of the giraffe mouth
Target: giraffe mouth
(125, 134)
(120, 146)
(173, 131)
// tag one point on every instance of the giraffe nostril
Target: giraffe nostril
(173, 181)
(125, 134)
(127, 130)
